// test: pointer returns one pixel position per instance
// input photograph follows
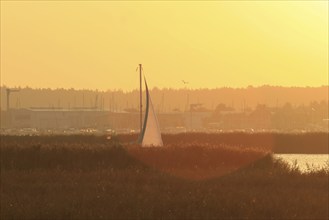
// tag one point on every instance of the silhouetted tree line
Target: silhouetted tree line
(167, 99)
(313, 116)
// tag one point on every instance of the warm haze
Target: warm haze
(234, 124)
(98, 45)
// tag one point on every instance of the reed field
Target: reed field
(195, 176)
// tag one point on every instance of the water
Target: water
(306, 162)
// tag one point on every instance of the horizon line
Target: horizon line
(162, 88)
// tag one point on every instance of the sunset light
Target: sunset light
(166, 109)
(98, 45)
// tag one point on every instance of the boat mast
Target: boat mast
(140, 97)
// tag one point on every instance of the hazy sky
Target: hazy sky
(98, 45)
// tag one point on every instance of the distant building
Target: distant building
(58, 118)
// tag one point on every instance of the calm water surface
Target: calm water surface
(306, 162)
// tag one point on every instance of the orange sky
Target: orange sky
(98, 45)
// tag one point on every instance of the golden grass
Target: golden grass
(86, 177)
(196, 161)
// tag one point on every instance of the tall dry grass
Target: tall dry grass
(93, 178)
(314, 142)
(196, 161)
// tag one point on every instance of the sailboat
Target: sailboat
(150, 135)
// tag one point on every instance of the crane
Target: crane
(8, 90)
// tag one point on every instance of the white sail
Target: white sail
(150, 135)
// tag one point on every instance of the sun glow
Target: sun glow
(210, 44)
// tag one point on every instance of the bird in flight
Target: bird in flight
(184, 82)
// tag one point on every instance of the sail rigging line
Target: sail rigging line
(150, 134)
(141, 136)
(140, 97)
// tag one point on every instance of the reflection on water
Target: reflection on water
(306, 162)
